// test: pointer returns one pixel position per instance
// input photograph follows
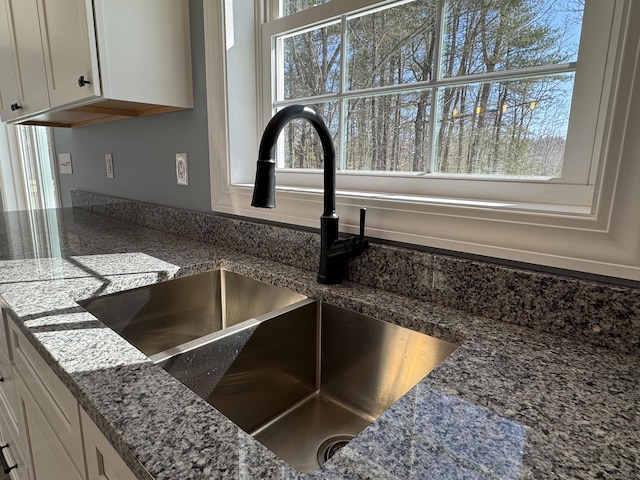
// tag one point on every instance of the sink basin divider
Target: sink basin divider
(226, 332)
(319, 347)
(223, 301)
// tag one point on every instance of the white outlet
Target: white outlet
(108, 160)
(182, 169)
(64, 164)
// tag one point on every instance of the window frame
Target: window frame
(601, 237)
(578, 176)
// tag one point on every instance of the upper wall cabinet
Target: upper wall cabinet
(78, 62)
(23, 81)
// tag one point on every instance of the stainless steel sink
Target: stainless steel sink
(165, 315)
(306, 380)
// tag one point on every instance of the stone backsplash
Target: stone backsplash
(600, 313)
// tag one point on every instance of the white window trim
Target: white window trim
(604, 240)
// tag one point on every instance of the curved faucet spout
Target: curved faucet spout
(333, 251)
(267, 153)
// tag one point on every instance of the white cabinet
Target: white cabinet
(44, 396)
(8, 82)
(11, 440)
(80, 62)
(11, 452)
(49, 436)
(50, 460)
(7, 389)
(23, 87)
(68, 38)
(103, 463)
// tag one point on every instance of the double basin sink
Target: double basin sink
(302, 377)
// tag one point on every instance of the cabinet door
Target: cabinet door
(24, 31)
(9, 91)
(103, 462)
(49, 460)
(7, 388)
(70, 53)
(56, 402)
(12, 451)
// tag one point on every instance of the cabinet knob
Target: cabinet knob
(15, 106)
(83, 81)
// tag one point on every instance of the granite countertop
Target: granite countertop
(508, 403)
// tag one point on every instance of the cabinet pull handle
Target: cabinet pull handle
(83, 81)
(5, 465)
(15, 107)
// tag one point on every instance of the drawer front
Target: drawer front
(103, 462)
(57, 403)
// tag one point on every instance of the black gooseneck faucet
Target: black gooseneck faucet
(333, 250)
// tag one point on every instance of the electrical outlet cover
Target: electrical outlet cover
(108, 160)
(64, 164)
(182, 169)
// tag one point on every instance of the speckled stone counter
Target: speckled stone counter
(510, 403)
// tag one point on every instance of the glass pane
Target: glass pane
(293, 6)
(389, 132)
(312, 63)
(302, 147)
(392, 46)
(515, 127)
(488, 35)
(35, 153)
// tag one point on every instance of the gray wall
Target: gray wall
(144, 148)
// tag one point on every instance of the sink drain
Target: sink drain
(331, 446)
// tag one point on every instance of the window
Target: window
(27, 176)
(443, 97)
(28, 182)
(485, 126)
(455, 87)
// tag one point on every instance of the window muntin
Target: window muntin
(404, 84)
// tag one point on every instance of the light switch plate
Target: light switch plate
(182, 169)
(108, 160)
(64, 164)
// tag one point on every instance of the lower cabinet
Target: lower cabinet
(12, 446)
(44, 433)
(49, 457)
(103, 462)
(12, 450)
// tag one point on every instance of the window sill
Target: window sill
(431, 201)
(573, 240)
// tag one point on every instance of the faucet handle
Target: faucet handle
(362, 242)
